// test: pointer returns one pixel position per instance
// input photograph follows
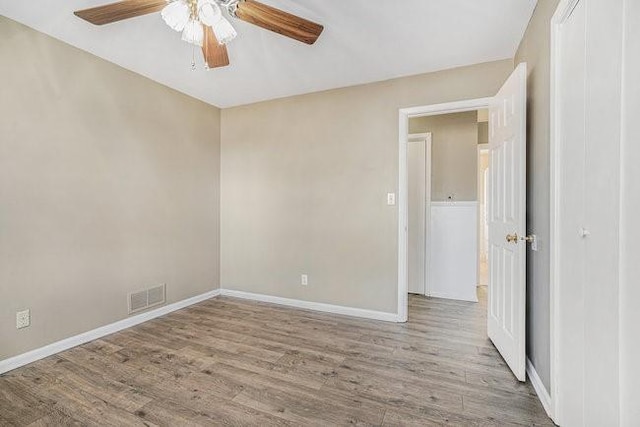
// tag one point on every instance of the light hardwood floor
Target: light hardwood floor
(234, 362)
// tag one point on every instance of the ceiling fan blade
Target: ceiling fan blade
(278, 21)
(118, 11)
(215, 54)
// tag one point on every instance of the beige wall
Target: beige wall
(108, 183)
(304, 183)
(454, 154)
(535, 51)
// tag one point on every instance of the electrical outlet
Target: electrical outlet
(304, 280)
(23, 319)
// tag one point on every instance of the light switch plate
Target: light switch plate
(391, 199)
(304, 280)
(23, 319)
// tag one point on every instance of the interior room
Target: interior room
(243, 212)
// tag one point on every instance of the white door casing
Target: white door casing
(483, 231)
(419, 183)
(507, 217)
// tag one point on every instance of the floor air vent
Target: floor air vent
(148, 298)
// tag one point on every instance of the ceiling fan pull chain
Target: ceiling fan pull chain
(193, 58)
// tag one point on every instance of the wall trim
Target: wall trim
(447, 107)
(453, 296)
(426, 138)
(455, 204)
(315, 306)
(67, 343)
(20, 360)
(540, 389)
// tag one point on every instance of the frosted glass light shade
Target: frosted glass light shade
(193, 33)
(176, 14)
(224, 31)
(209, 12)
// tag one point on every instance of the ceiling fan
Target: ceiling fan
(203, 23)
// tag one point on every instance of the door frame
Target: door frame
(562, 13)
(481, 149)
(404, 114)
(428, 141)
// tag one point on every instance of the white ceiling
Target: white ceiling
(363, 41)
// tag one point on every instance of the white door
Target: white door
(418, 193)
(572, 183)
(586, 262)
(507, 216)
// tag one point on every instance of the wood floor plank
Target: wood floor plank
(170, 413)
(82, 405)
(102, 346)
(303, 410)
(113, 392)
(55, 418)
(228, 361)
(267, 369)
(17, 405)
(417, 418)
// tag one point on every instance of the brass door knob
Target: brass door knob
(514, 238)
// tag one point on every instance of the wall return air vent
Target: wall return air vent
(142, 300)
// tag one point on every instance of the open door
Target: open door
(507, 216)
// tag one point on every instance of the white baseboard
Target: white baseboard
(540, 389)
(458, 297)
(316, 306)
(67, 343)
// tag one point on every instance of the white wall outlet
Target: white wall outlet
(23, 319)
(304, 280)
(391, 199)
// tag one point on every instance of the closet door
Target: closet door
(588, 102)
(572, 190)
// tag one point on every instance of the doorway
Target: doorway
(507, 214)
(403, 185)
(445, 190)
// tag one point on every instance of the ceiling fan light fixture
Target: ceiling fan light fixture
(205, 23)
(224, 31)
(176, 14)
(209, 12)
(193, 33)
